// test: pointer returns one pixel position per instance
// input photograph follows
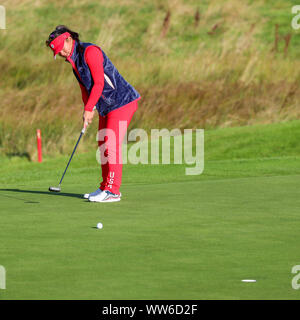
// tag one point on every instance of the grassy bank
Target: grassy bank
(220, 70)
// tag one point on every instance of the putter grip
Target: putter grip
(84, 128)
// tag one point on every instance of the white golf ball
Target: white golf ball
(99, 225)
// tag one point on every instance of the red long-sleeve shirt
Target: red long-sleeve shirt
(94, 60)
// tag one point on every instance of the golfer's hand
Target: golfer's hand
(87, 118)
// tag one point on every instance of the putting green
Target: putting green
(171, 237)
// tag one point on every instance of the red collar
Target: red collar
(69, 59)
(70, 55)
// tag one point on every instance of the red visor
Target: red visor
(58, 43)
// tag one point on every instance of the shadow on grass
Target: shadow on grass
(72, 195)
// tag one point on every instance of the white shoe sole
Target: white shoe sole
(87, 195)
(111, 199)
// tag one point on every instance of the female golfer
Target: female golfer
(103, 88)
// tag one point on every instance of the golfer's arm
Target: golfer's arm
(94, 59)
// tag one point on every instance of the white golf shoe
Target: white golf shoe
(105, 196)
(95, 193)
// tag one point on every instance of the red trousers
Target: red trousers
(112, 129)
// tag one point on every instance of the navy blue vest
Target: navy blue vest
(116, 93)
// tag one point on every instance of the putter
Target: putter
(58, 189)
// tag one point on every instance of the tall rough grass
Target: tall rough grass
(221, 71)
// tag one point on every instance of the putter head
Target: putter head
(54, 189)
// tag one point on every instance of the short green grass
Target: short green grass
(171, 237)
